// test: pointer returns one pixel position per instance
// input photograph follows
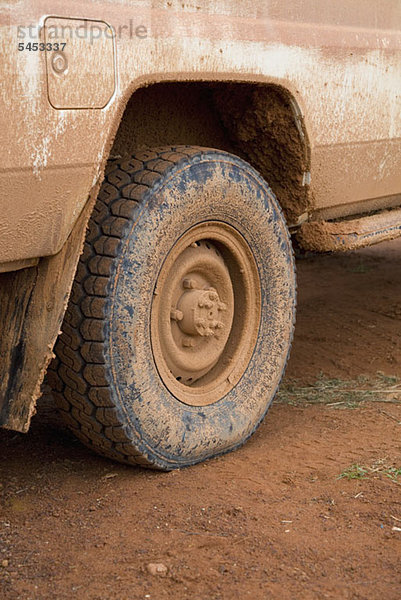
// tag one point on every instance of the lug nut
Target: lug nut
(222, 306)
(189, 284)
(176, 315)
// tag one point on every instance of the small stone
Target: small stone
(4, 563)
(110, 475)
(157, 569)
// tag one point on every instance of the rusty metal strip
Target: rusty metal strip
(323, 236)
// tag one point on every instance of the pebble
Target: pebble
(157, 569)
(4, 563)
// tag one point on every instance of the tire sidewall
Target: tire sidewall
(210, 186)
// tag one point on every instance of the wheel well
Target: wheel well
(259, 122)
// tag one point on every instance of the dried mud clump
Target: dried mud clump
(257, 122)
(262, 126)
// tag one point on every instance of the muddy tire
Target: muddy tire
(181, 315)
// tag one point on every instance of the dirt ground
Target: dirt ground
(273, 520)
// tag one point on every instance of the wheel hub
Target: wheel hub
(193, 312)
(198, 312)
(201, 298)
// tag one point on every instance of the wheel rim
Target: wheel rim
(205, 313)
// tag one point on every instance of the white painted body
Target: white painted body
(340, 63)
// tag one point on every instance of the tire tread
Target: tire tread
(78, 373)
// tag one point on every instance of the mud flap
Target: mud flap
(32, 306)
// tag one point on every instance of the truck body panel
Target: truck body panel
(339, 65)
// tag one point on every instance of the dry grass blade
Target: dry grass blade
(337, 393)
